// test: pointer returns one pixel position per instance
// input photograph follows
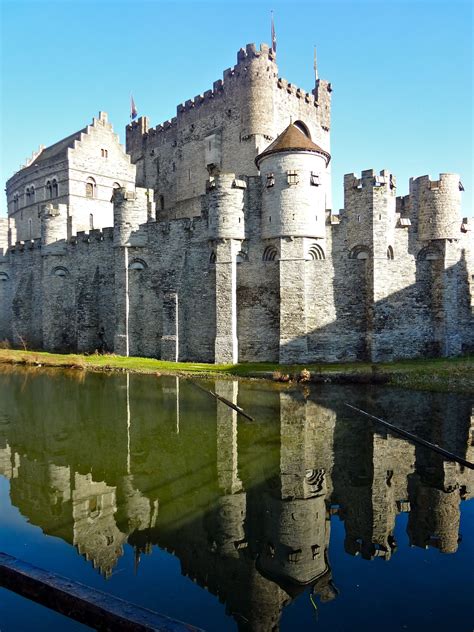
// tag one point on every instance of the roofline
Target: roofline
(265, 154)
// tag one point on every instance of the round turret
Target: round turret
(131, 208)
(258, 71)
(226, 207)
(293, 172)
(295, 536)
(53, 224)
(437, 204)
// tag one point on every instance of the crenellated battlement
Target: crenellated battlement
(29, 244)
(369, 179)
(231, 76)
(250, 52)
(436, 205)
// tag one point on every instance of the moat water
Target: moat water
(307, 518)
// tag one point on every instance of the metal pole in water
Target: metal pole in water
(411, 437)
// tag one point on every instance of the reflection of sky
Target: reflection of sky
(417, 589)
(159, 586)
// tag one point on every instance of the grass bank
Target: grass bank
(441, 374)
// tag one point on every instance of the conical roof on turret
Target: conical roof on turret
(292, 139)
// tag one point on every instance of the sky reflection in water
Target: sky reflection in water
(307, 518)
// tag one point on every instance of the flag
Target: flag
(274, 38)
(133, 109)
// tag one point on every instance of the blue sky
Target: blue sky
(401, 72)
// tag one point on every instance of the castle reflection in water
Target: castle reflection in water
(245, 506)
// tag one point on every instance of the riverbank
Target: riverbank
(440, 374)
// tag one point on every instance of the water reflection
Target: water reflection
(245, 506)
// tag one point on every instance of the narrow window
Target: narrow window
(162, 203)
(292, 177)
(358, 218)
(54, 186)
(49, 190)
(30, 229)
(90, 188)
(315, 179)
(15, 202)
(27, 195)
(270, 180)
(104, 153)
(91, 221)
(32, 194)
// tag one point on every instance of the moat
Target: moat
(307, 518)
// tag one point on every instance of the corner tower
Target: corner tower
(293, 171)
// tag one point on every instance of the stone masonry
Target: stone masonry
(213, 239)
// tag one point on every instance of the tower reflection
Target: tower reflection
(245, 506)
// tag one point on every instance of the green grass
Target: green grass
(440, 374)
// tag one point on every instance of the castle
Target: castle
(212, 239)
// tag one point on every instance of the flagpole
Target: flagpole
(316, 76)
(273, 34)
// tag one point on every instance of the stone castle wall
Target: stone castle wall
(190, 253)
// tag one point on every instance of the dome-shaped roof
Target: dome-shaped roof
(292, 139)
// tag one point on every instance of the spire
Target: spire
(274, 39)
(315, 65)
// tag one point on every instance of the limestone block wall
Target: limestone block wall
(26, 215)
(5, 283)
(293, 205)
(3, 237)
(97, 158)
(26, 314)
(177, 261)
(436, 204)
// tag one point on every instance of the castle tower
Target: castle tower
(296, 529)
(435, 205)
(131, 209)
(54, 228)
(226, 197)
(258, 71)
(370, 220)
(293, 172)
(435, 209)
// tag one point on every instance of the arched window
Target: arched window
(242, 256)
(54, 186)
(137, 264)
(116, 185)
(303, 128)
(27, 195)
(316, 253)
(32, 194)
(429, 253)
(49, 190)
(90, 187)
(15, 202)
(390, 253)
(359, 252)
(30, 228)
(91, 221)
(212, 258)
(59, 271)
(270, 254)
